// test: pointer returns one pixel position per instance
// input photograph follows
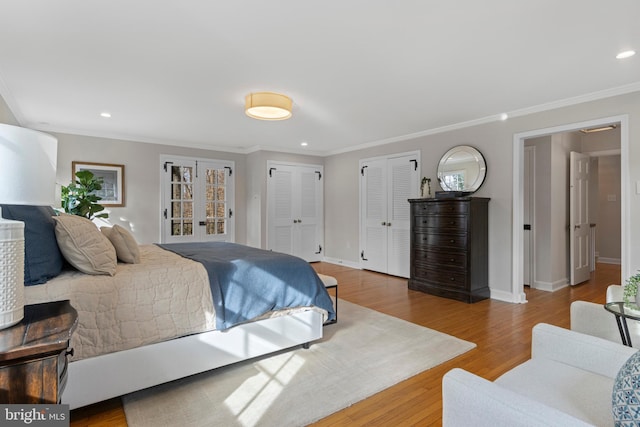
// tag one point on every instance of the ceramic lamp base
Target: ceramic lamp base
(11, 272)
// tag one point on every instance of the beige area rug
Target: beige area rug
(364, 353)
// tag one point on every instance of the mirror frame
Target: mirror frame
(480, 161)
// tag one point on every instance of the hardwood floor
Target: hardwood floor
(502, 332)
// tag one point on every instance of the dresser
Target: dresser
(450, 247)
(34, 354)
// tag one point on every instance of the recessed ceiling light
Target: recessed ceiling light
(625, 54)
(304, 144)
(504, 116)
(105, 114)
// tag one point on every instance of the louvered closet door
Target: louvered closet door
(386, 186)
(403, 184)
(295, 210)
(373, 233)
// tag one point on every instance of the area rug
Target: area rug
(364, 353)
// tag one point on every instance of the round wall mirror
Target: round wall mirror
(462, 169)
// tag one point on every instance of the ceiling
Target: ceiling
(360, 72)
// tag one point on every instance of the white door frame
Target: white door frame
(517, 252)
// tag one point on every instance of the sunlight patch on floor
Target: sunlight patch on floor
(253, 397)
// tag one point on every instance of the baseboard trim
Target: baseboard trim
(609, 260)
(338, 261)
(550, 286)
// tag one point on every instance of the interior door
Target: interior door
(404, 179)
(373, 197)
(295, 210)
(579, 232)
(385, 236)
(528, 206)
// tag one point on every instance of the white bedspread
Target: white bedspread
(163, 297)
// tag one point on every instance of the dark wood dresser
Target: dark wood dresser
(450, 247)
(34, 354)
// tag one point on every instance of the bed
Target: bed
(168, 316)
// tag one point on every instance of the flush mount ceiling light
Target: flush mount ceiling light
(267, 106)
(625, 54)
(598, 129)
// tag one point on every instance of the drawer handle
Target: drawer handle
(451, 260)
(453, 278)
(70, 352)
(452, 240)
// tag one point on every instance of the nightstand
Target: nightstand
(34, 354)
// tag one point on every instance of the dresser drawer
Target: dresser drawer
(446, 207)
(426, 258)
(456, 241)
(443, 277)
(449, 222)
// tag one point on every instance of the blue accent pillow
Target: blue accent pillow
(42, 259)
(625, 398)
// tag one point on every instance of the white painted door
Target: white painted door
(373, 216)
(579, 232)
(528, 206)
(295, 210)
(197, 200)
(386, 185)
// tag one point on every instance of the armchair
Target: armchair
(592, 319)
(568, 381)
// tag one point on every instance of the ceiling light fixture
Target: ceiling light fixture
(304, 144)
(598, 129)
(105, 115)
(625, 54)
(268, 106)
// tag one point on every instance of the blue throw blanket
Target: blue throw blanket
(248, 282)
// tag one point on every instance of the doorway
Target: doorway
(518, 270)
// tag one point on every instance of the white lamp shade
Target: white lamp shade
(268, 106)
(11, 272)
(28, 161)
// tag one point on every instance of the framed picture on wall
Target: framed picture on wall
(112, 192)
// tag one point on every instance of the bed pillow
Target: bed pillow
(84, 246)
(123, 241)
(42, 257)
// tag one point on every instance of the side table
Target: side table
(622, 313)
(34, 354)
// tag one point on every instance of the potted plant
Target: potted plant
(630, 294)
(79, 198)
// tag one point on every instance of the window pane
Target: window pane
(187, 174)
(188, 228)
(187, 192)
(221, 176)
(220, 210)
(221, 226)
(175, 191)
(175, 209)
(210, 210)
(175, 174)
(187, 210)
(176, 229)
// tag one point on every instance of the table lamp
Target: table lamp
(28, 161)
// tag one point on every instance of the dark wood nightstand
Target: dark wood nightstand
(33, 354)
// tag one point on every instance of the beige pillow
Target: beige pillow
(84, 246)
(126, 246)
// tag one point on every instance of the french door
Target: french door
(197, 200)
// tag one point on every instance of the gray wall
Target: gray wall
(608, 225)
(142, 178)
(495, 140)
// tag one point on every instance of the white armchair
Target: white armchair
(568, 381)
(592, 319)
